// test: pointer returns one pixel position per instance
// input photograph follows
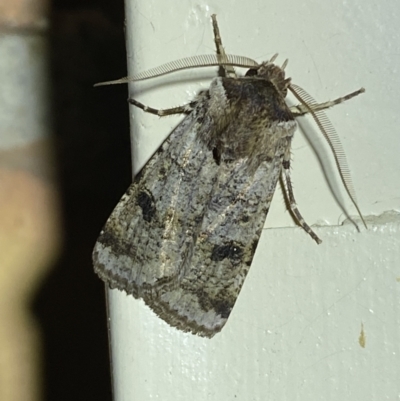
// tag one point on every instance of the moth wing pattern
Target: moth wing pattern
(184, 235)
(140, 244)
(223, 252)
(247, 175)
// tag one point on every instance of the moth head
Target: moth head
(273, 73)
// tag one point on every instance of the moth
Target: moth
(184, 235)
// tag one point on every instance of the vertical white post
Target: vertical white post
(295, 331)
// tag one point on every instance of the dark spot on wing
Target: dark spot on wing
(217, 149)
(223, 307)
(221, 302)
(111, 240)
(216, 156)
(244, 218)
(146, 203)
(231, 251)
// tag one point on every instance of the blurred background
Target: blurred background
(64, 164)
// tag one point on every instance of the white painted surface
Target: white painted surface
(294, 331)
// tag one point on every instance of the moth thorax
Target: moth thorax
(276, 75)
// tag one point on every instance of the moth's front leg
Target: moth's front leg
(185, 109)
(301, 109)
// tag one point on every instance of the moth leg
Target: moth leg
(227, 70)
(185, 109)
(285, 176)
(301, 109)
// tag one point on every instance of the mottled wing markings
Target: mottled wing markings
(184, 235)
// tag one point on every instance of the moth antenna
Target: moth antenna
(331, 136)
(205, 60)
(285, 63)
